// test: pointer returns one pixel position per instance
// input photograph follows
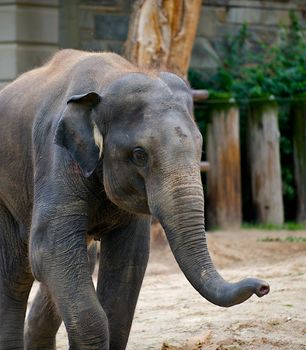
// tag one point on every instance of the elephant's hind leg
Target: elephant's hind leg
(42, 322)
(123, 261)
(15, 282)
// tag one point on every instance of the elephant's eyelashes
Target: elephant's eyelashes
(139, 157)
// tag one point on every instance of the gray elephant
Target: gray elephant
(90, 147)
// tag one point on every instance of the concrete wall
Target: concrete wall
(28, 35)
(101, 25)
(31, 30)
(225, 17)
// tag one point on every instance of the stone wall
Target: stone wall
(28, 35)
(103, 24)
(225, 17)
(31, 30)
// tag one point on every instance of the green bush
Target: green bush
(253, 76)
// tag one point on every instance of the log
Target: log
(264, 161)
(205, 166)
(224, 180)
(299, 154)
(199, 95)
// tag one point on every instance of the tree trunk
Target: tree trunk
(299, 147)
(264, 163)
(223, 179)
(161, 34)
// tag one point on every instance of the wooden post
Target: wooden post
(264, 161)
(223, 179)
(199, 95)
(299, 149)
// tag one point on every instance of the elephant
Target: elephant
(92, 147)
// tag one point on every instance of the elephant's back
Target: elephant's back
(19, 103)
(32, 104)
(15, 154)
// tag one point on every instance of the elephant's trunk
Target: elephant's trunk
(181, 213)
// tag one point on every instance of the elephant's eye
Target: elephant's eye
(139, 156)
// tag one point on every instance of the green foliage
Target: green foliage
(253, 76)
(279, 70)
(290, 239)
(288, 226)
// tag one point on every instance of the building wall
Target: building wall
(225, 17)
(103, 25)
(31, 30)
(28, 35)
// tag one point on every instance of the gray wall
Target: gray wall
(31, 30)
(103, 24)
(28, 35)
(99, 25)
(225, 17)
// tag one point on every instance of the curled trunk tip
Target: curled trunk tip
(231, 294)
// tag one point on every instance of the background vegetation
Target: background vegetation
(256, 73)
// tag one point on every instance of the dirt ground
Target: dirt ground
(171, 315)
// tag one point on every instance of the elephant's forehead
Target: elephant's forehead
(169, 128)
(136, 83)
(136, 87)
(146, 107)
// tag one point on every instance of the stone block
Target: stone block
(110, 6)
(91, 45)
(32, 56)
(286, 5)
(31, 2)
(227, 29)
(113, 46)
(16, 59)
(242, 15)
(221, 14)
(111, 27)
(7, 23)
(127, 6)
(86, 19)
(204, 56)
(28, 24)
(259, 34)
(111, 3)
(85, 35)
(8, 62)
(104, 46)
(207, 22)
(37, 25)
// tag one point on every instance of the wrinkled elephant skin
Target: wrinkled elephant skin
(90, 147)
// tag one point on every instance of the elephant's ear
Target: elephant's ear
(78, 133)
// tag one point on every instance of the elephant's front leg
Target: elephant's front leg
(59, 259)
(44, 320)
(42, 323)
(123, 260)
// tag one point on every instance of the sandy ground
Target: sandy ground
(171, 315)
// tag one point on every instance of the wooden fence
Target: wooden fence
(222, 145)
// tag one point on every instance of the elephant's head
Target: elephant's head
(151, 149)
